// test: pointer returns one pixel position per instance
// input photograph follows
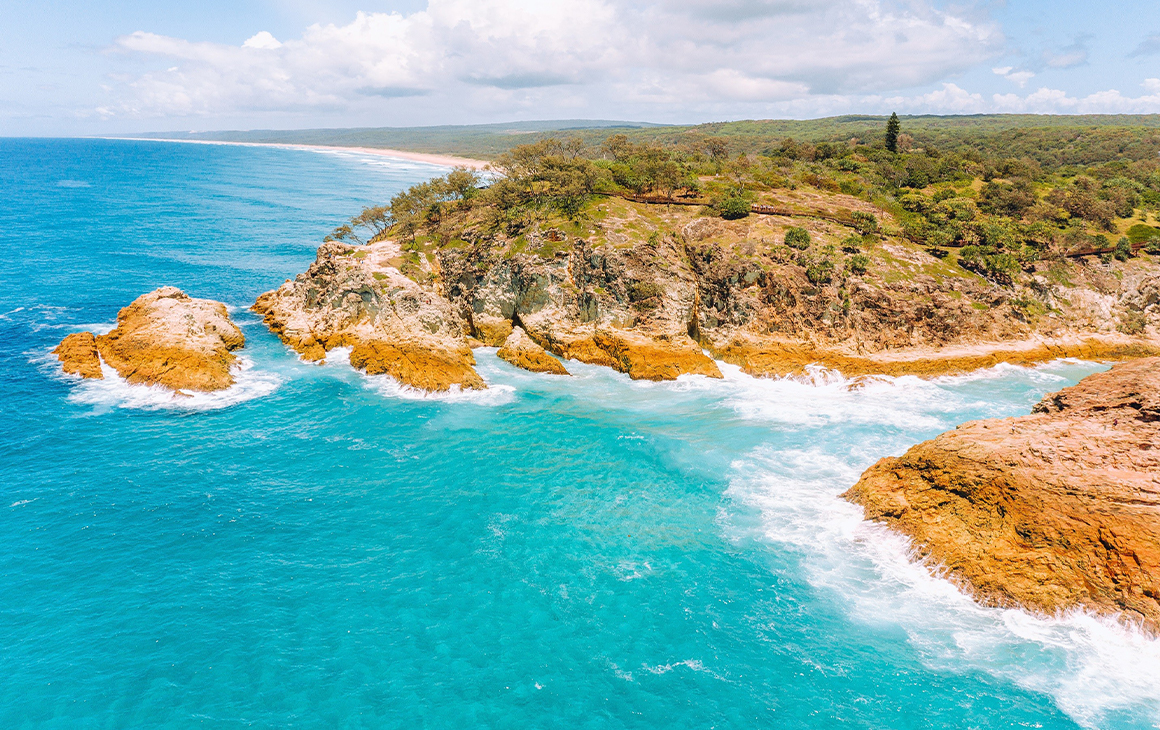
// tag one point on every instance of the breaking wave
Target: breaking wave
(1093, 667)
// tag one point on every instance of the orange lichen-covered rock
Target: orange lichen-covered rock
(165, 338)
(1049, 511)
(649, 358)
(774, 357)
(418, 365)
(78, 355)
(519, 350)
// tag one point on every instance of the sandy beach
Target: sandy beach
(444, 160)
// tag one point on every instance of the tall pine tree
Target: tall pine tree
(892, 127)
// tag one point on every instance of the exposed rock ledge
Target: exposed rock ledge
(165, 338)
(519, 350)
(1053, 510)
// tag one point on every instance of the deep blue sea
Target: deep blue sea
(320, 549)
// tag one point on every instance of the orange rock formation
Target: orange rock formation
(165, 338)
(1049, 511)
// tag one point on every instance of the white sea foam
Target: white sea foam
(115, 392)
(1091, 666)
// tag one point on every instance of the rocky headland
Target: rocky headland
(1049, 511)
(164, 338)
(660, 291)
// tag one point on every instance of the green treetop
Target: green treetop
(892, 127)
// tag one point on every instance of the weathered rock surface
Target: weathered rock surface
(1053, 510)
(356, 296)
(519, 350)
(78, 355)
(629, 310)
(165, 338)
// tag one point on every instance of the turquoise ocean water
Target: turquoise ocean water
(320, 549)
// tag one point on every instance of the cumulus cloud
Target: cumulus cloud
(491, 54)
(1056, 101)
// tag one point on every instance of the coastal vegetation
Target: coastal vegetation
(993, 210)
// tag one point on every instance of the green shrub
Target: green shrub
(857, 264)
(985, 260)
(819, 271)
(641, 290)
(798, 238)
(852, 244)
(914, 202)
(1141, 232)
(1123, 250)
(733, 207)
(865, 223)
(1152, 246)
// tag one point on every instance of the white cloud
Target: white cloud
(1019, 78)
(1056, 101)
(950, 99)
(486, 55)
(263, 39)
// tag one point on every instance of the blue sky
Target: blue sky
(104, 67)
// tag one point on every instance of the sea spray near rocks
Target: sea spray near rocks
(1093, 667)
(113, 391)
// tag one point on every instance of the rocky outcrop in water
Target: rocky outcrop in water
(78, 355)
(165, 338)
(357, 297)
(1049, 511)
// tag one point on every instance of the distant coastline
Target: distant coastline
(433, 159)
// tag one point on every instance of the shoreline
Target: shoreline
(424, 157)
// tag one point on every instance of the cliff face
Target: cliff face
(648, 289)
(1057, 509)
(165, 338)
(659, 291)
(356, 296)
(626, 309)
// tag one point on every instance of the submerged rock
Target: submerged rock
(519, 350)
(1049, 511)
(165, 338)
(356, 296)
